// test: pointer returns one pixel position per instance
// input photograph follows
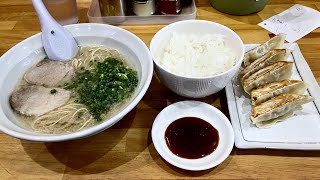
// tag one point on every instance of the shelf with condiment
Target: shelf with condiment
(139, 12)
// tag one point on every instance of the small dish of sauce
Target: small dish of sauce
(191, 138)
(192, 135)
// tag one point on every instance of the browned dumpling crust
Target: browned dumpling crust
(278, 106)
(267, 59)
(275, 72)
(271, 90)
(255, 53)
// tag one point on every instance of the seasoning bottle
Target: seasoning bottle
(112, 7)
(144, 7)
(169, 6)
(185, 3)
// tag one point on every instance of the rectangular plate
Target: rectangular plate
(301, 131)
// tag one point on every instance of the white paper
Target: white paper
(296, 22)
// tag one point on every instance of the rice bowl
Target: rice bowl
(196, 87)
(195, 54)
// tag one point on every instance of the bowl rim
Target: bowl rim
(239, 62)
(94, 129)
(210, 109)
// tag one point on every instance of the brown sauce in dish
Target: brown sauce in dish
(191, 138)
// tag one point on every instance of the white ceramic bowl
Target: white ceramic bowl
(196, 87)
(18, 59)
(193, 109)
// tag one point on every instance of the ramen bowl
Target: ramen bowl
(15, 62)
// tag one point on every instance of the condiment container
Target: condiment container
(169, 6)
(144, 7)
(236, 7)
(185, 3)
(63, 11)
(112, 7)
(95, 16)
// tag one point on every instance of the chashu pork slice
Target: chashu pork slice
(50, 73)
(37, 100)
(278, 106)
(275, 72)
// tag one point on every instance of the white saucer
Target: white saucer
(193, 109)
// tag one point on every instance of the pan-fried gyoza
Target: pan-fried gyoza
(266, 78)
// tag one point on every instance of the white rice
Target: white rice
(196, 55)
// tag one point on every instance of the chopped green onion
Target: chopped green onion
(107, 84)
(53, 91)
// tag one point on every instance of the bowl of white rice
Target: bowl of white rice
(196, 58)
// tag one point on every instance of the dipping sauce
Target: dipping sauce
(191, 138)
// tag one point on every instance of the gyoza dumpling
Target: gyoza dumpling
(264, 61)
(278, 106)
(255, 53)
(275, 72)
(272, 122)
(271, 90)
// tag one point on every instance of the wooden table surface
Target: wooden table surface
(125, 151)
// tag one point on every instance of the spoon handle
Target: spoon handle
(58, 43)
